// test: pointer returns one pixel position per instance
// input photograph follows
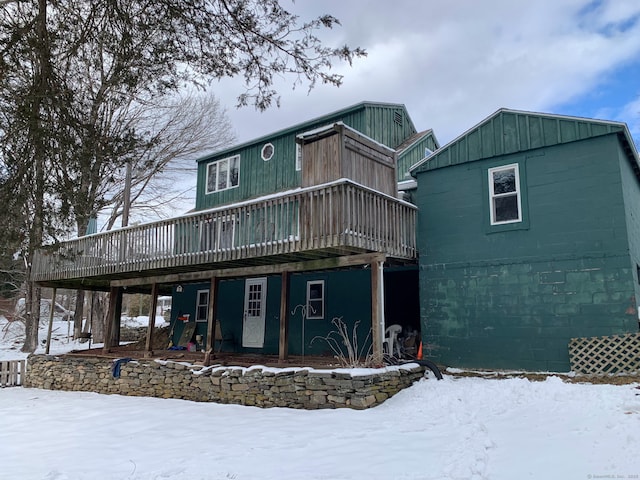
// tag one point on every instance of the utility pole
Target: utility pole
(126, 196)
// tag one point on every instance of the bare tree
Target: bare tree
(185, 127)
(78, 77)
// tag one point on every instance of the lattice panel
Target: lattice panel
(602, 355)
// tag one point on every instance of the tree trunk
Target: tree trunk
(99, 316)
(36, 234)
(32, 316)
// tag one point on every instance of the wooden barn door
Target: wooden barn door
(253, 325)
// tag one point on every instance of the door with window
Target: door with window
(253, 324)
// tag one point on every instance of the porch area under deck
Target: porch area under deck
(337, 225)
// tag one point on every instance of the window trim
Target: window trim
(310, 314)
(493, 196)
(217, 167)
(198, 305)
(262, 152)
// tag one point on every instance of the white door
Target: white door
(255, 296)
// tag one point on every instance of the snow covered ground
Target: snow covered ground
(12, 336)
(458, 428)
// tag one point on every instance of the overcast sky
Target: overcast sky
(454, 62)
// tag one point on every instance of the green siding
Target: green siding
(257, 177)
(508, 131)
(341, 300)
(513, 299)
(631, 193)
(413, 155)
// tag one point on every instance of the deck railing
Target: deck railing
(335, 215)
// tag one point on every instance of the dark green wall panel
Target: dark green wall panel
(513, 299)
(347, 296)
(385, 123)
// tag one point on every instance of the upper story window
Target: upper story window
(267, 152)
(504, 195)
(223, 174)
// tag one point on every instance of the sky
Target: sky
(453, 63)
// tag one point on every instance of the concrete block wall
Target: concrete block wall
(522, 315)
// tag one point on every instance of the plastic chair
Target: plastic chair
(391, 344)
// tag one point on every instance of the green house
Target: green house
(307, 155)
(529, 235)
(289, 232)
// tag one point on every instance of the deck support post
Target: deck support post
(51, 310)
(211, 322)
(283, 349)
(148, 350)
(377, 310)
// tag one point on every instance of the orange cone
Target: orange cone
(420, 351)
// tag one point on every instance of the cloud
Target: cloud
(453, 63)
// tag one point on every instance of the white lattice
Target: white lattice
(602, 355)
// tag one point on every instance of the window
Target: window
(223, 174)
(298, 157)
(267, 152)
(504, 195)
(315, 299)
(202, 305)
(217, 233)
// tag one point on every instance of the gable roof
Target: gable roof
(512, 131)
(415, 138)
(309, 124)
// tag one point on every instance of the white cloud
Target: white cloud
(453, 63)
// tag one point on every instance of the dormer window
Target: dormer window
(223, 174)
(267, 152)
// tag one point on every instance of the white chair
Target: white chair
(391, 344)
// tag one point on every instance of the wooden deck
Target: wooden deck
(220, 358)
(337, 219)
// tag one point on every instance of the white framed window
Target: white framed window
(202, 305)
(298, 157)
(217, 233)
(223, 174)
(315, 299)
(267, 152)
(505, 202)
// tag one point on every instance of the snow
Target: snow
(12, 336)
(458, 428)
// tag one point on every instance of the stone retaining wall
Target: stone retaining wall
(257, 386)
